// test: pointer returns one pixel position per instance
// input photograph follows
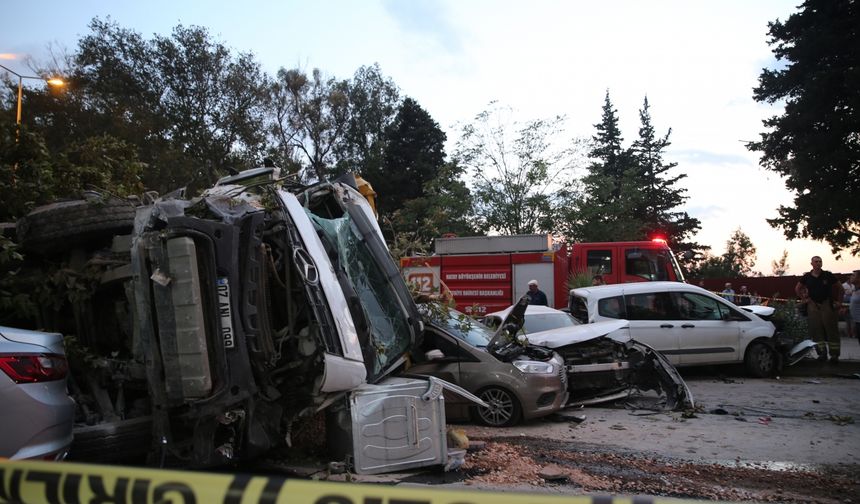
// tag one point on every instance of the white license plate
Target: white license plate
(226, 313)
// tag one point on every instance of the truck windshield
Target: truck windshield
(388, 321)
(653, 264)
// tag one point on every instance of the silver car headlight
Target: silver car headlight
(534, 367)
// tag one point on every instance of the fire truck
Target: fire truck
(487, 273)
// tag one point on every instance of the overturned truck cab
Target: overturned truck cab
(240, 311)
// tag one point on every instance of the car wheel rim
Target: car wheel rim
(765, 361)
(501, 407)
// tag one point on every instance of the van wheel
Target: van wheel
(760, 360)
(59, 226)
(504, 408)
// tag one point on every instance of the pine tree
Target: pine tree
(659, 196)
(606, 212)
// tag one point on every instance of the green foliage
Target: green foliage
(30, 175)
(373, 102)
(445, 207)
(190, 107)
(814, 143)
(414, 154)
(628, 193)
(580, 279)
(522, 183)
(15, 303)
(311, 115)
(780, 267)
(787, 319)
(737, 261)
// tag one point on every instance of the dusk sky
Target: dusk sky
(696, 61)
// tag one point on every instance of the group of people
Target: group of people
(741, 298)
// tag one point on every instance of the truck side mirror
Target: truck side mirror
(434, 354)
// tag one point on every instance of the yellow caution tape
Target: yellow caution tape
(33, 482)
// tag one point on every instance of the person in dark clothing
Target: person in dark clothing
(536, 296)
(742, 298)
(822, 293)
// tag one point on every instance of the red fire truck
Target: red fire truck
(487, 273)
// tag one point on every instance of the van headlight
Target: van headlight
(533, 367)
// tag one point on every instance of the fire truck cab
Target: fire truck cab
(487, 273)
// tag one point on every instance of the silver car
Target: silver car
(37, 414)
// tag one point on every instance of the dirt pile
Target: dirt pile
(520, 461)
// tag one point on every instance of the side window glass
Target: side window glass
(697, 307)
(650, 306)
(611, 307)
(599, 261)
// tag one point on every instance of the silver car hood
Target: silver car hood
(555, 338)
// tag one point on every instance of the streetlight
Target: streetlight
(52, 82)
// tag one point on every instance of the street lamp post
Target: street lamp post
(52, 82)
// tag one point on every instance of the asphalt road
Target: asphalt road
(780, 423)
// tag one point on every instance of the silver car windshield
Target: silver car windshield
(390, 330)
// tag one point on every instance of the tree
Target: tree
(445, 207)
(740, 254)
(814, 143)
(190, 107)
(658, 191)
(737, 261)
(413, 155)
(628, 192)
(374, 100)
(31, 175)
(311, 115)
(780, 267)
(521, 181)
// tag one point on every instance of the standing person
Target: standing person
(743, 297)
(854, 305)
(823, 294)
(598, 280)
(536, 296)
(728, 293)
(848, 291)
(755, 298)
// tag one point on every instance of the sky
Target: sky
(697, 62)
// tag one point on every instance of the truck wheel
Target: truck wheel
(59, 226)
(504, 408)
(760, 360)
(123, 441)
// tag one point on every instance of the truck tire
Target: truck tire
(65, 224)
(122, 441)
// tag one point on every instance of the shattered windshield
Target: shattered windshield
(467, 329)
(390, 330)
